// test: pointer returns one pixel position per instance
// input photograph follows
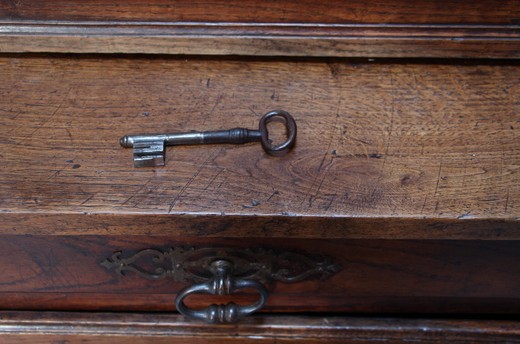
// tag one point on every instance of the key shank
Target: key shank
(234, 136)
(149, 149)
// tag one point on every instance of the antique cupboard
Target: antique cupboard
(394, 217)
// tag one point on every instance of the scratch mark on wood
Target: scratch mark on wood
(50, 117)
(214, 178)
(507, 201)
(437, 186)
(359, 140)
(323, 178)
(69, 134)
(217, 101)
(15, 116)
(438, 179)
(254, 112)
(464, 173)
(224, 180)
(424, 204)
(137, 192)
(391, 129)
(327, 150)
(55, 174)
(331, 201)
(192, 179)
(87, 200)
(272, 195)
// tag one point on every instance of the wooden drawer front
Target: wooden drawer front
(432, 142)
(66, 272)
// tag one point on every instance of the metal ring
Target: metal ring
(290, 126)
(222, 283)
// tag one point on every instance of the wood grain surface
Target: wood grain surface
(30, 327)
(389, 28)
(376, 276)
(376, 140)
(293, 11)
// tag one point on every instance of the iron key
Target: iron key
(149, 150)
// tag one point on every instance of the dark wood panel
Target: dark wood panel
(27, 327)
(376, 276)
(265, 226)
(307, 11)
(424, 141)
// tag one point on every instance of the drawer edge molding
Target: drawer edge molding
(262, 39)
(30, 327)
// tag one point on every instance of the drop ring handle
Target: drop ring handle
(290, 126)
(222, 283)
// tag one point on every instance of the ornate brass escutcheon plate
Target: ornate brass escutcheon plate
(222, 271)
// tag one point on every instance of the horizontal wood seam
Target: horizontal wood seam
(298, 39)
(267, 30)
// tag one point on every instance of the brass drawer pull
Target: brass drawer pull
(223, 283)
(148, 150)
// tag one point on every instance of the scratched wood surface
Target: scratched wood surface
(421, 140)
